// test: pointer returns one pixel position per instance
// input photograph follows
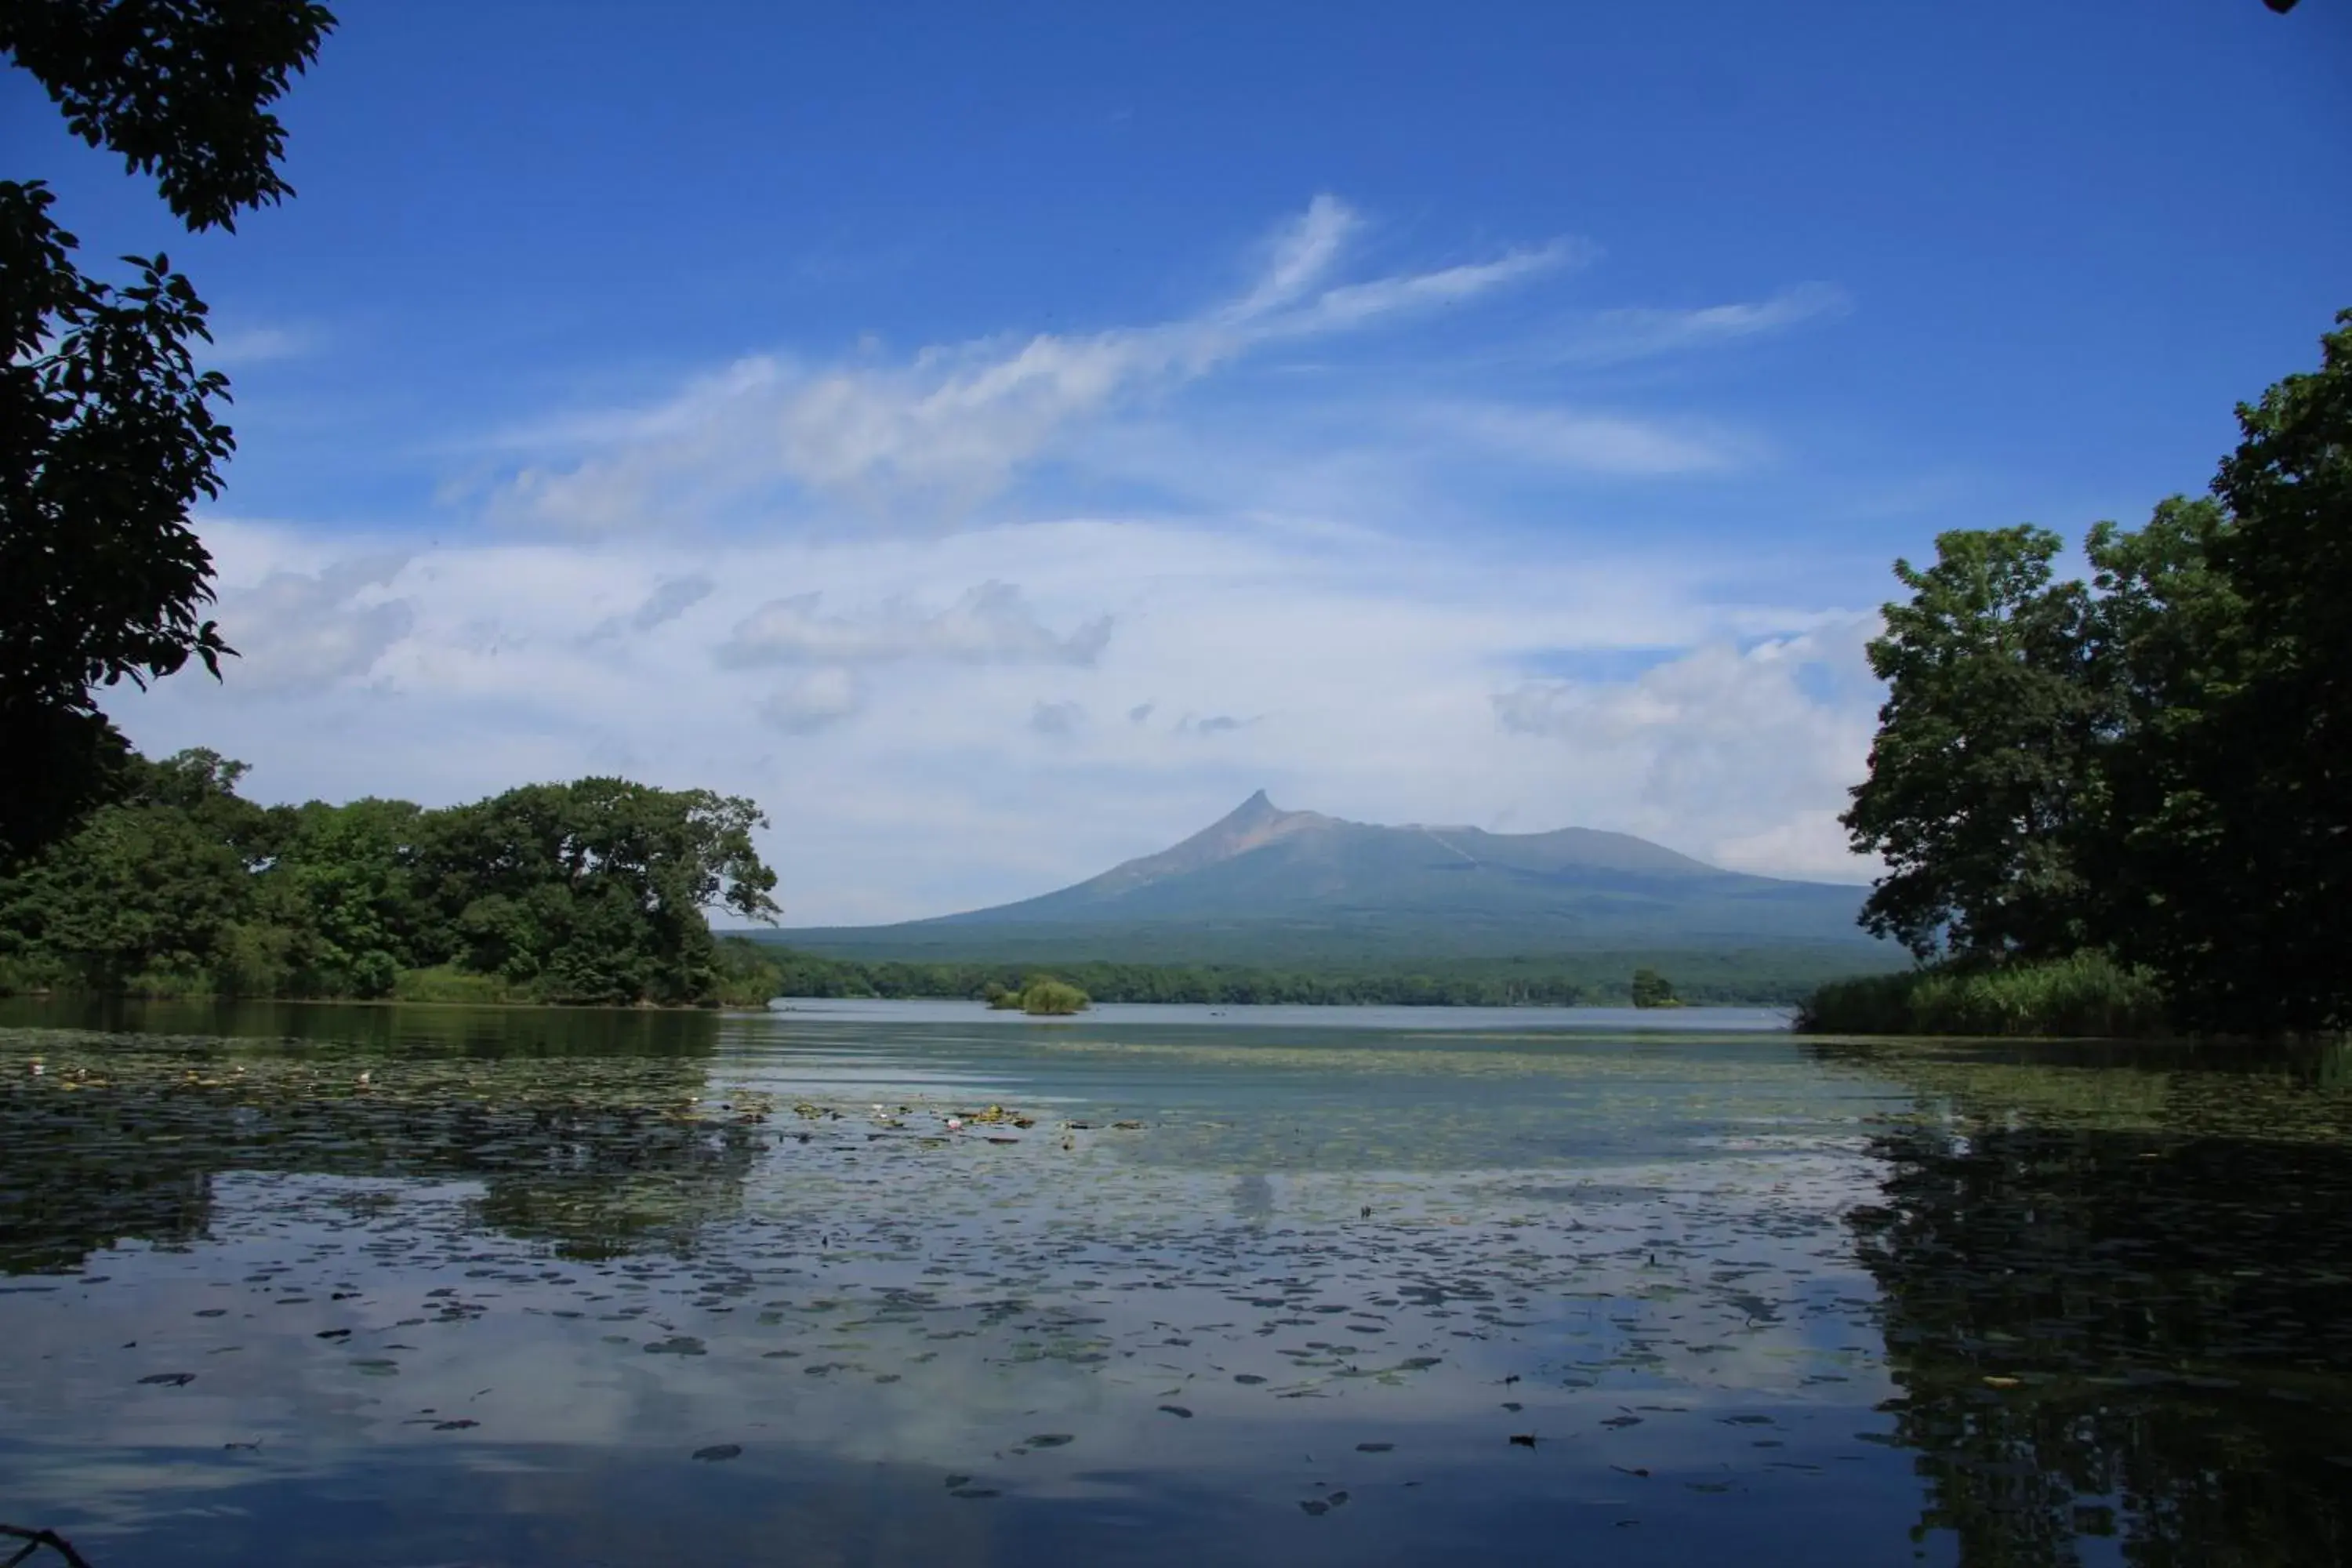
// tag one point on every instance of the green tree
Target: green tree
(152, 885)
(2156, 763)
(1981, 777)
(1048, 998)
(1652, 989)
(2242, 845)
(107, 434)
(344, 882)
(593, 891)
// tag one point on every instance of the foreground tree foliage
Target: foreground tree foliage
(592, 891)
(108, 433)
(2155, 764)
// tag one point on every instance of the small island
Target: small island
(1041, 996)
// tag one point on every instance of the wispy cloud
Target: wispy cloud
(927, 440)
(1297, 256)
(1283, 580)
(991, 624)
(1595, 443)
(1638, 334)
(1359, 304)
(671, 597)
(234, 344)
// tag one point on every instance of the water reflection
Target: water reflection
(588, 1132)
(1748, 1298)
(1253, 1198)
(2117, 1298)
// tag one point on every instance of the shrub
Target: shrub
(1652, 989)
(744, 975)
(448, 982)
(1053, 999)
(20, 974)
(2084, 995)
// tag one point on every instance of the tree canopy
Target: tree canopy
(1652, 989)
(2155, 762)
(109, 430)
(589, 891)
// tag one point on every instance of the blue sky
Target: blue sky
(999, 444)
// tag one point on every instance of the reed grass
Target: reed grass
(2086, 994)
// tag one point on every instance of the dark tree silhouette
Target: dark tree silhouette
(107, 432)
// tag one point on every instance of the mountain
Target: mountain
(1268, 886)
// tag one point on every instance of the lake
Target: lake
(917, 1283)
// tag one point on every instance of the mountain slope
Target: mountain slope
(1267, 885)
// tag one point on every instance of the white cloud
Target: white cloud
(1598, 443)
(1298, 257)
(929, 440)
(235, 344)
(1057, 718)
(1306, 593)
(1809, 843)
(987, 624)
(295, 629)
(1356, 304)
(894, 743)
(671, 597)
(1748, 751)
(817, 701)
(1626, 334)
(1212, 724)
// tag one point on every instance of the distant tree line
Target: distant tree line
(2153, 765)
(592, 891)
(812, 975)
(1465, 983)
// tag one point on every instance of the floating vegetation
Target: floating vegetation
(2027, 1292)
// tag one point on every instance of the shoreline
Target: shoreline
(976, 1005)
(216, 1001)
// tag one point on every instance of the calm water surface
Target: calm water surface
(406, 1287)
